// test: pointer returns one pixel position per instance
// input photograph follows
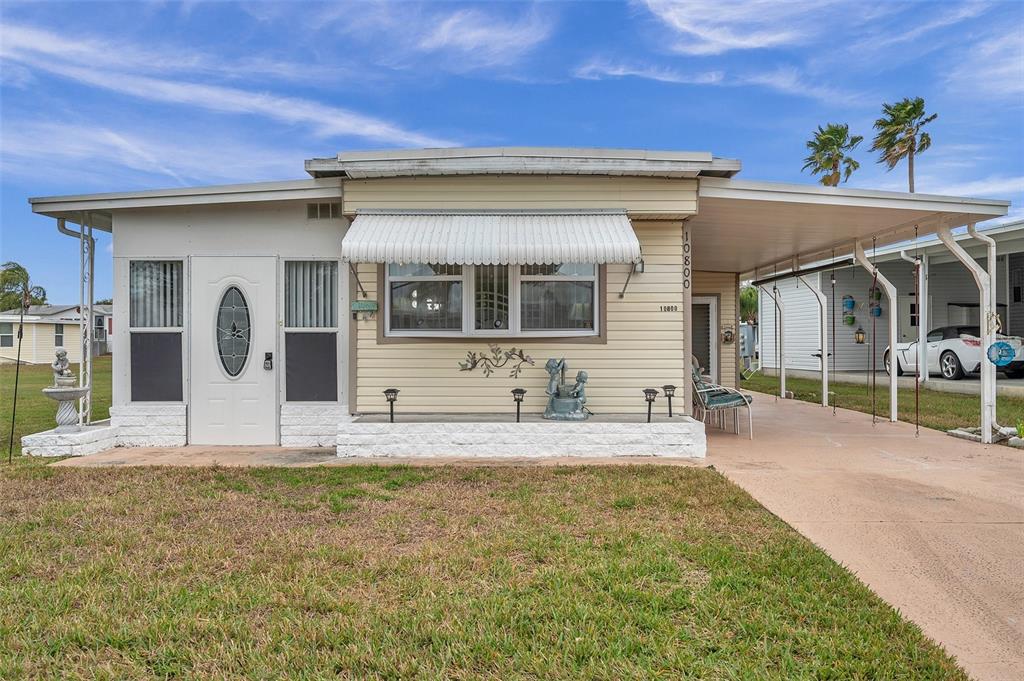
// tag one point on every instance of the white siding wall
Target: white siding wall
(800, 325)
(1016, 311)
(949, 282)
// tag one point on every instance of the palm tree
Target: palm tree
(829, 150)
(15, 287)
(899, 134)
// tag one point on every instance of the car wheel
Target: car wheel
(949, 363)
(899, 369)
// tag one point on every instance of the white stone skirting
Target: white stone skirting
(150, 425)
(682, 437)
(311, 425)
(90, 440)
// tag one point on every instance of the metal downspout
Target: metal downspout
(890, 293)
(823, 307)
(922, 325)
(87, 246)
(988, 383)
(780, 338)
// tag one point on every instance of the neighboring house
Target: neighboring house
(269, 313)
(953, 300)
(51, 326)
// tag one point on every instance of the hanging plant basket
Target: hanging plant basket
(875, 293)
(849, 319)
(876, 310)
(849, 303)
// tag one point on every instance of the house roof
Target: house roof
(51, 313)
(522, 161)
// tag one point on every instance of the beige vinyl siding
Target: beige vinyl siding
(638, 195)
(11, 354)
(725, 286)
(643, 349)
(37, 344)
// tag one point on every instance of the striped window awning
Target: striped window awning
(491, 237)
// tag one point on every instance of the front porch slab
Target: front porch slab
(494, 436)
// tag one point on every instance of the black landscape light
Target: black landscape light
(669, 391)
(517, 395)
(649, 395)
(391, 394)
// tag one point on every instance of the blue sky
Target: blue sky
(117, 96)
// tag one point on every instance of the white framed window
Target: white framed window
(311, 312)
(58, 335)
(155, 293)
(556, 300)
(6, 334)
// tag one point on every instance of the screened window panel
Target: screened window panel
(6, 334)
(491, 294)
(311, 366)
(311, 294)
(156, 367)
(422, 269)
(557, 306)
(58, 335)
(567, 269)
(426, 305)
(155, 293)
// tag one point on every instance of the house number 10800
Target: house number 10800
(670, 308)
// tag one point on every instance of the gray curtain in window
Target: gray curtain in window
(155, 293)
(311, 294)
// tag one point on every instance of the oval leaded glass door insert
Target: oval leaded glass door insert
(233, 331)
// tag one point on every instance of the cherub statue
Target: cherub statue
(579, 391)
(554, 368)
(60, 366)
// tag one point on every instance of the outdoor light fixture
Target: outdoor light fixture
(517, 395)
(649, 395)
(669, 391)
(391, 394)
(859, 336)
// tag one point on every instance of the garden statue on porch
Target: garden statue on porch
(64, 393)
(565, 402)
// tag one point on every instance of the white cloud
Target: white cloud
(951, 17)
(42, 149)
(484, 39)
(992, 66)
(599, 69)
(709, 27)
(791, 81)
(32, 49)
(997, 186)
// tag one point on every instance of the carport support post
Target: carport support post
(920, 264)
(988, 370)
(890, 293)
(780, 337)
(823, 307)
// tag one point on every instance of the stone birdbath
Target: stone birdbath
(65, 393)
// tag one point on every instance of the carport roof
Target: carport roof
(745, 226)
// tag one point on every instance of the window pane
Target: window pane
(6, 327)
(156, 367)
(419, 269)
(557, 305)
(310, 294)
(567, 269)
(491, 293)
(233, 331)
(422, 305)
(155, 293)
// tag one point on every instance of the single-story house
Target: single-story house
(53, 326)
(952, 301)
(279, 312)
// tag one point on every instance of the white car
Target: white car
(953, 352)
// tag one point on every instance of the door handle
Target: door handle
(268, 361)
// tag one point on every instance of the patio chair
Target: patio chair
(715, 401)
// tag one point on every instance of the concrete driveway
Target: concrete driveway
(932, 524)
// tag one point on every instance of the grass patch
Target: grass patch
(36, 411)
(390, 572)
(939, 410)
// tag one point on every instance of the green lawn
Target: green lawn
(394, 572)
(940, 410)
(35, 411)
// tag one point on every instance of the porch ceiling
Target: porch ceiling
(742, 226)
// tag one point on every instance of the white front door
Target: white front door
(705, 334)
(233, 388)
